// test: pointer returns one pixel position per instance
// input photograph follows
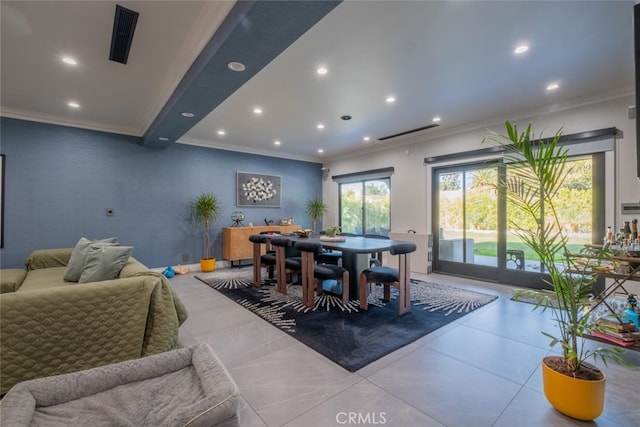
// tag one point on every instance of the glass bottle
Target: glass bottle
(608, 238)
(627, 230)
(634, 229)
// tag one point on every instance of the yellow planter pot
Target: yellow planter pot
(576, 398)
(207, 264)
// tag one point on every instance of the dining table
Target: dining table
(356, 253)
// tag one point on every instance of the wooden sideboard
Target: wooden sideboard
(235, 240)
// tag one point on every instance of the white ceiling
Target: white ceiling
(450, 59)
(114, 97)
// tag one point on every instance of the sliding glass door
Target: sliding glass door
(467, 219)
(474, 224)
(364, 206)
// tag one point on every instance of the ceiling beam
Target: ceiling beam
(253, 33)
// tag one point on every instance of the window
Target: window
(364, 207)
(365, 202)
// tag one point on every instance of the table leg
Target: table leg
(354, 263)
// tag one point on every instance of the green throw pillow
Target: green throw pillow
(104, 262)
(79, 255)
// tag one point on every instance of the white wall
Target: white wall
(410, 184)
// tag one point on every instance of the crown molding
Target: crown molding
(62, 121)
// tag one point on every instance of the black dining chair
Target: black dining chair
(314, 274)
(270, 233)
(260, 260)
(288, 261)
(329, 256)
(376, 257)
(389, 276)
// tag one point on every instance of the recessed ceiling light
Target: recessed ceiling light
(553, 86)
(390, 100)
(346, 117)
(366, 138)
(73, 104)
(322, 71)
(522, 48)
(69, 60)
(277, 142)
(257, 110)
(320, 126)
(189, 115)
(236, 66)
(320, 150)
(222, 132)
(163, 138)
(436, 119)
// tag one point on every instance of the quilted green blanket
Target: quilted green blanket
(64, 329)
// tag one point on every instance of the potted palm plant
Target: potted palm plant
(537, 171)
(206, 208)
(316, 210)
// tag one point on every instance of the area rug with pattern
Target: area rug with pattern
(350, 337)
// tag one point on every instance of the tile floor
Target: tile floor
(481, 370)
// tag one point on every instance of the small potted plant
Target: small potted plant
(332, 231)
(536, 173)
(206, 208)
(316, 210)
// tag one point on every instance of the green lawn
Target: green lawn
(490, 249)
(485, 244)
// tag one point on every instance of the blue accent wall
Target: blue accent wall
(59, 182)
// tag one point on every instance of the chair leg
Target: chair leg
(404, 299)
(305, 291)
(387, 293)
(345, 288)
(257, 267)
(363, 291)
(281, 273)
(308, 281)
(311, 291)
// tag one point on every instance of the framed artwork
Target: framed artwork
(1, 200)
(254, 189)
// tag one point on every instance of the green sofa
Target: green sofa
(50, 327)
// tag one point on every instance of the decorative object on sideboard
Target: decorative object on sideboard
(237, 218)
(286, 221)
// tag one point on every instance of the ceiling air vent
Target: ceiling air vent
(408, 132)
(124, 25)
